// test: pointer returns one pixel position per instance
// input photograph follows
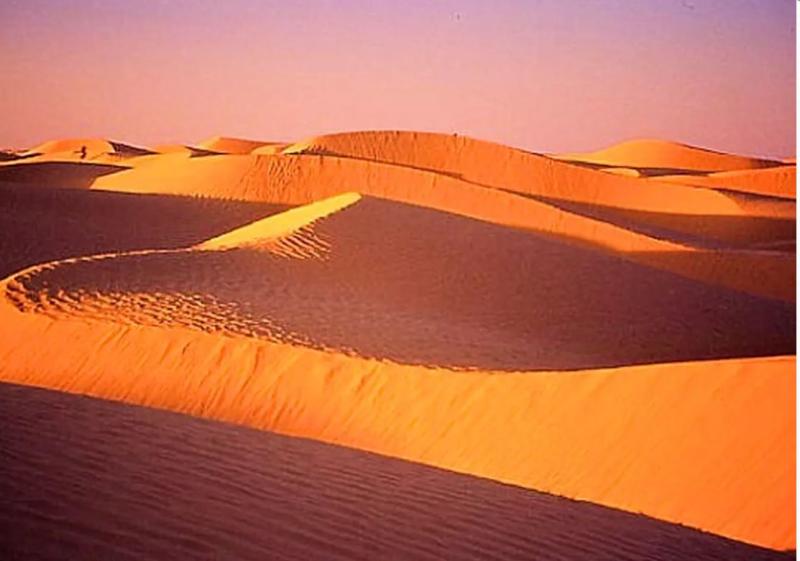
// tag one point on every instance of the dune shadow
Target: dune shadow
(129, 151)
(643, 170)
(45, 224)
(61, 174)
(419, 286)
(698, 230)
(9, 156)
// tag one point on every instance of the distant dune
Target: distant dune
(599, 334)
(651, 154)
(226, 145)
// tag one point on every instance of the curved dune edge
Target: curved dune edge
(706, 444)
(282, 224)
(303, 179)
(779, 181)
(652, 153)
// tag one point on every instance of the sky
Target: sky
(543, 75)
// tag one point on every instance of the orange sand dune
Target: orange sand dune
(226, 145)
(338, 322)
(664, 155)
(299, 179)
(242, 494)
(506, 168)
(779, 181)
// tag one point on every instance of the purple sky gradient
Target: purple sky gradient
(547, 75)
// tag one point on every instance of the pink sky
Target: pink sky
(547, 75)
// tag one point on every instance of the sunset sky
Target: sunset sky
(546, 75)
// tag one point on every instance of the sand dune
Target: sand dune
(506, 168)
(778, 181)
(566, 327)
(227, 145)
(650, 154)
(301, 179)
(355, 315)
(392, 299)
(263, 496)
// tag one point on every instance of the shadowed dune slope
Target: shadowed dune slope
(64, 174)
(710, 232)
(779, 181)
(651, 153)
(46, 224)
(234, 493)
(300, 179)
(174, 330)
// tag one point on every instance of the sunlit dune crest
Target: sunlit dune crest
(592, 332)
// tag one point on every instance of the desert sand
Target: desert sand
(578, 325)
(257, 495)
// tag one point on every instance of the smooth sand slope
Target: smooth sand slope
(98, 480)
(350, 327)
(659, 157)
